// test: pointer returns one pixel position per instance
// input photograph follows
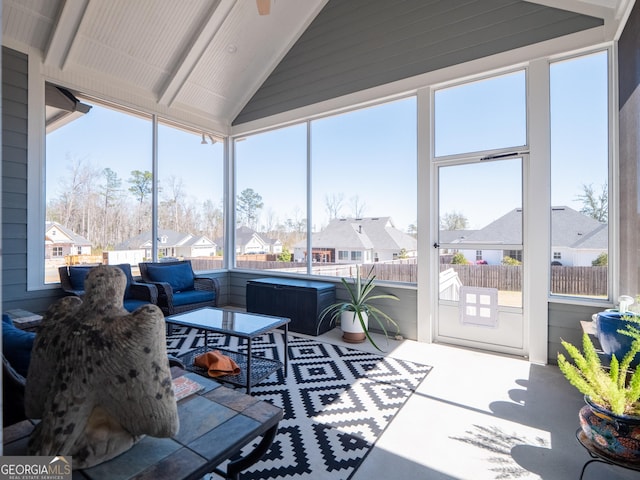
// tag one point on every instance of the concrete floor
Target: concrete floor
(481, 416)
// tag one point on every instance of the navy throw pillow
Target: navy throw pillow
(126, 268)
(179, 276)
(77, 275)
(16, 345)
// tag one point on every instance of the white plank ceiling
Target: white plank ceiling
(200, 60)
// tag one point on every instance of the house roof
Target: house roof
(372, 233)
(171, 237)
(245, 234)
(569, 228)
(215, 63)
(74, 237)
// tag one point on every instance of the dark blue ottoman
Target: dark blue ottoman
(300, 300)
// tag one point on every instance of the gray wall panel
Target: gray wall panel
(351, 46)
(14, 188)
(564, 324)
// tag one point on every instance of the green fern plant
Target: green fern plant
(613, 388)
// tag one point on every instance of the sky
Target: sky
(368, 156)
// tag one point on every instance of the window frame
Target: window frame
(613, 287)
(36, 170)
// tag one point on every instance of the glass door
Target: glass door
(480, 252)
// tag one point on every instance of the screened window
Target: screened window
(352, 203)
(579, 175)
(481, 115)
(190, 203)
(99, 191)
(98, 183)
(364, 188)
(271, 199)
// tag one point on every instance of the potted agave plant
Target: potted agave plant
(356, 312)
(610, 420)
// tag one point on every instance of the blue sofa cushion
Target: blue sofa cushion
(77, 274)
(126, 268)
(179, 276)
(16, 345)
(193, 296)
(131, 304)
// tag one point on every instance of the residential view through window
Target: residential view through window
(99, 191)
(490, 115)
(271, 198)
(362, 208)
(323, 196)
(579, 176)
(479, 198)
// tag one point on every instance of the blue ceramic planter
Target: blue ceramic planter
(616, 436)
(613, 343)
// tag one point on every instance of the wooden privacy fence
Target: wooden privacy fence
(579, 280)
(502, 277)
(589, 281)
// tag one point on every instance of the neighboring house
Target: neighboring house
(577, 239)
(170, 244)
(358, 240)
(60, 241)
(249, 242)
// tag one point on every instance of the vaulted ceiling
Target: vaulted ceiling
(202, 60)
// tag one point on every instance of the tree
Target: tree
(333, 204)
(459, 259)
(357, 206)
(141, 183)
(141, 188)
(595, 205)
(601, 261)
(249, 204)
(285, 256)
(454, 221)
(110, 190)
(212, 218)
(507, 260)
(174, 204)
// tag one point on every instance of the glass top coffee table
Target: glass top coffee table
(243, 325)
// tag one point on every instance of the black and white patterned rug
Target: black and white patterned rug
(337, 401)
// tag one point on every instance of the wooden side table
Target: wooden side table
(598, 456)
(24, 320)
(215, 424)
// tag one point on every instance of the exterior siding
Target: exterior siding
(14, 188)
(629, 126)
(360, 44)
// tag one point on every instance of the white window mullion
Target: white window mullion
(537, 219)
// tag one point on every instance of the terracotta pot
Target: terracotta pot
(616, 436)
(352, 331)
